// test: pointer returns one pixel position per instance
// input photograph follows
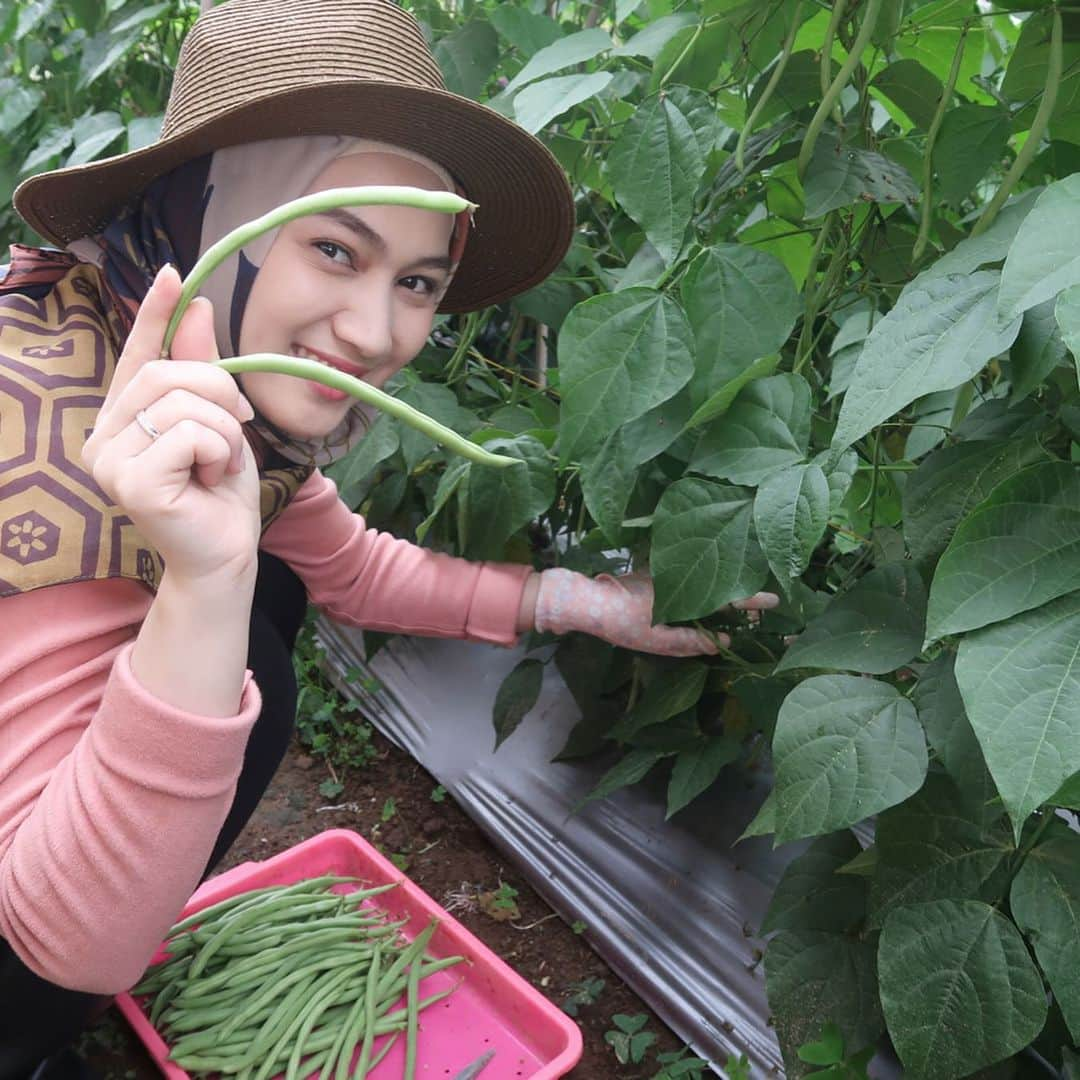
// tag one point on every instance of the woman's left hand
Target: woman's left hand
(619, 610)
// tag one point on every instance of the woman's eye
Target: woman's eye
(422, 286)
(332, 250)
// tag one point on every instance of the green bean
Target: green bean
(445, 202)
(339, 380)
(836, 88)
(299, 1034)
(384, 1051)
(418, 945)
(369, 1009)
(412, 990)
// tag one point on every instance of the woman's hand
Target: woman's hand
(619, 610)
(193, 489)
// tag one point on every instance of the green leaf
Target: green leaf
(742, 305)
(455, 478)
(652, 37)
(652, 434)
(629, 770)
(949, 483)
(764, 823)
(607, 481)
(92, 135)
(767, 429)
(501, 501)
(672, 691)
(1045, 902)
(620, 355)
(102, 52)
(1019, 548)
(143, 130)
(840, 476)
(720, 402)
(929, 849)
(844, 749)
(440, 403)
(915, 90)
(940, 334)
(840, 175)
(525, 30)
(17, 104)
(1025, 78)
(1068, 795)
(696, 770)
(538, 104)
(799, 84)
(812, 978)
(828, 1050)
(655, 167)
(791, 512)
(704, 553)
(941, 711)
(379, 443)
(1067, 318)
(1038, 348)
(972, 139)
(813, 895)
(958, 988)
(1020, 681)
(517, 694)
(565, 52)
(468, 57)
(874, 627)
(52, 142)
(1042, 261)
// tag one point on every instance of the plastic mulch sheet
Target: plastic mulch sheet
(670, 905)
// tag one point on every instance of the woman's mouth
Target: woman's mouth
(326, 392)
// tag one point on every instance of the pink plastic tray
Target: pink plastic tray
(493, 1008)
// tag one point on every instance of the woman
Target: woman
(164, 525)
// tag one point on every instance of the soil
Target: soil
(453, 862)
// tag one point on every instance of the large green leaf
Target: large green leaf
(840, 175)
(527, 31)
(655, 166)
(468, 57)
(696, 769)
(813, 977)
(1045, 901)
(517, 694)
(562, 53)
(1019, 548)
(379, 443)
(812, 895)
(620, 355)
(541, 102)
(742, 305)
(950, 483)
(930, 849)
(765, 430)
(1042, 260)
(971, 140)
(501, 501)
(673, 690)
(607, 481)
(940, 334)
(791, 511)
(944, 719)
(1020, 681)
(874, 627)
(1025, 78)
(958, 988)
(908, 84)
(1038, 348)
(704, 553)
(844, 749)
(17, 104)
(1067, 320)
(652, 37)
(92, 135)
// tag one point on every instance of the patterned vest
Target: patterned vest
(57, 355)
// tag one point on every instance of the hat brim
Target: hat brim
(521, 230)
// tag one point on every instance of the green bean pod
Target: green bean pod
(339, 380)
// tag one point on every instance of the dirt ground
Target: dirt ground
(451, 860)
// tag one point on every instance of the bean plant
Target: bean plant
(817, 333)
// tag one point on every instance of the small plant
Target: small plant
(581, 994)
(389, 809)
(578, 926)
(505, 896)
(627, 1038)
(828, 1051)
(331, 789)
(737, 1068)
(676, 1065)
(438, 794)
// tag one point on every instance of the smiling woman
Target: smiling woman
(146, 689)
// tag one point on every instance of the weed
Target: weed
(737, 1068)
(438, 794)
(578, 926)
(581, 994)
(627, 1038)
(389, 809)
(676, 1065)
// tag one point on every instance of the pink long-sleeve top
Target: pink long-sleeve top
(110, 799)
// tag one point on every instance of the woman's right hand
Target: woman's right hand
(193, 492)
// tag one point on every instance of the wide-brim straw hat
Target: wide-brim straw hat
(261, 69)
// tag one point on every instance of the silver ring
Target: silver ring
(147, 424)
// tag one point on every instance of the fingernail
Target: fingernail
(246, 411)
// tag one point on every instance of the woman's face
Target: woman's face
(355, 288)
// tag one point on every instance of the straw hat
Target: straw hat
(262, 69)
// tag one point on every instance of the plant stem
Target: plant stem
(838, 8)
(928, 148)
(770, 86)
(338, 380)
(1035, 134)
(832, 96)
(445, 202)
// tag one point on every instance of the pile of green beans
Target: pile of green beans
(290, 978)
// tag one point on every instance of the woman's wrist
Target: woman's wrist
(526, 619)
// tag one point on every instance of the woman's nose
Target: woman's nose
(365, 325)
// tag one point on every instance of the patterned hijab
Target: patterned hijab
(189, 209)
